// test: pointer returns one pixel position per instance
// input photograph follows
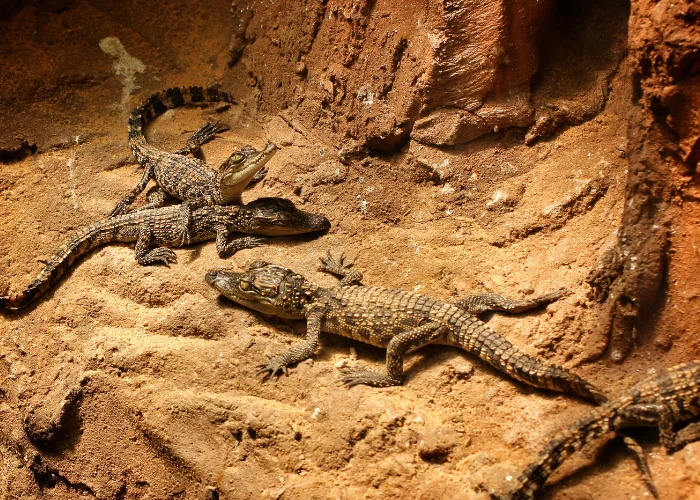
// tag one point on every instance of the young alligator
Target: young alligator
(662, 401)
(159, 226)
(188, 179)
(398, 320)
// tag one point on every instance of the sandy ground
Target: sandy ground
(147, 378)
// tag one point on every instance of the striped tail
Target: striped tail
(159, 103)
(593, 425)
(80, 242)
(476, 337)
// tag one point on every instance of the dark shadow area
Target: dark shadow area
(580, 51)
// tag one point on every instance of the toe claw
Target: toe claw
(274, 368)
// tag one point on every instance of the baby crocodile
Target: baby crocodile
(670, 398)
(397, 320)
(159, 226)
(186, 178)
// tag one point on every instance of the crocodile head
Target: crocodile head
(278, 217)
(265, 287)
(239, 169)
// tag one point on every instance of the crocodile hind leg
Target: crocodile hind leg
(642, 464)
(688, 434)
(146, 257)
(481, 302)
(647, 414)
(402, 344)
(206, 133)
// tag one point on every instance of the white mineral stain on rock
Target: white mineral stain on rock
(125, 66)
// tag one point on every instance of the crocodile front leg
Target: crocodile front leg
(399, 346)
(259, 175)
(299, 352)
(340, 268)
(226, 249)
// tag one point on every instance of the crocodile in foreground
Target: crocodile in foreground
(187, 178)
(397, 320)
(670, 398)
(159, 226)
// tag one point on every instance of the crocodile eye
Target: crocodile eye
(282, 219)
(244, 285)
(237, 158)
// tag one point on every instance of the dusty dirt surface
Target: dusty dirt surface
(139, 382)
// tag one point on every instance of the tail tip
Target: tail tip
(13, 302)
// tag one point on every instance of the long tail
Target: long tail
(476, 337)
(159, 103)
(79, 243)
(593, 425)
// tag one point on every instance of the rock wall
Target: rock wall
(373, 76)
(663, 134)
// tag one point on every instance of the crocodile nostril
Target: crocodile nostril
(210, 277)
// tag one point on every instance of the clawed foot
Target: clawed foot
(184, 236)
(250, 242)
(162, 255)
(361, 375)
(330, 265)
(206, 133)
(274, 367)
(340, 268)
(260, 175)
(242, 244)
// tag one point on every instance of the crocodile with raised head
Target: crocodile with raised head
(160, 226)
(398, 320)
(187, 178)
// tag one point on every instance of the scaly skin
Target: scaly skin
(397, 320)
(160, 226)
(670, 398)
(189, 179)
